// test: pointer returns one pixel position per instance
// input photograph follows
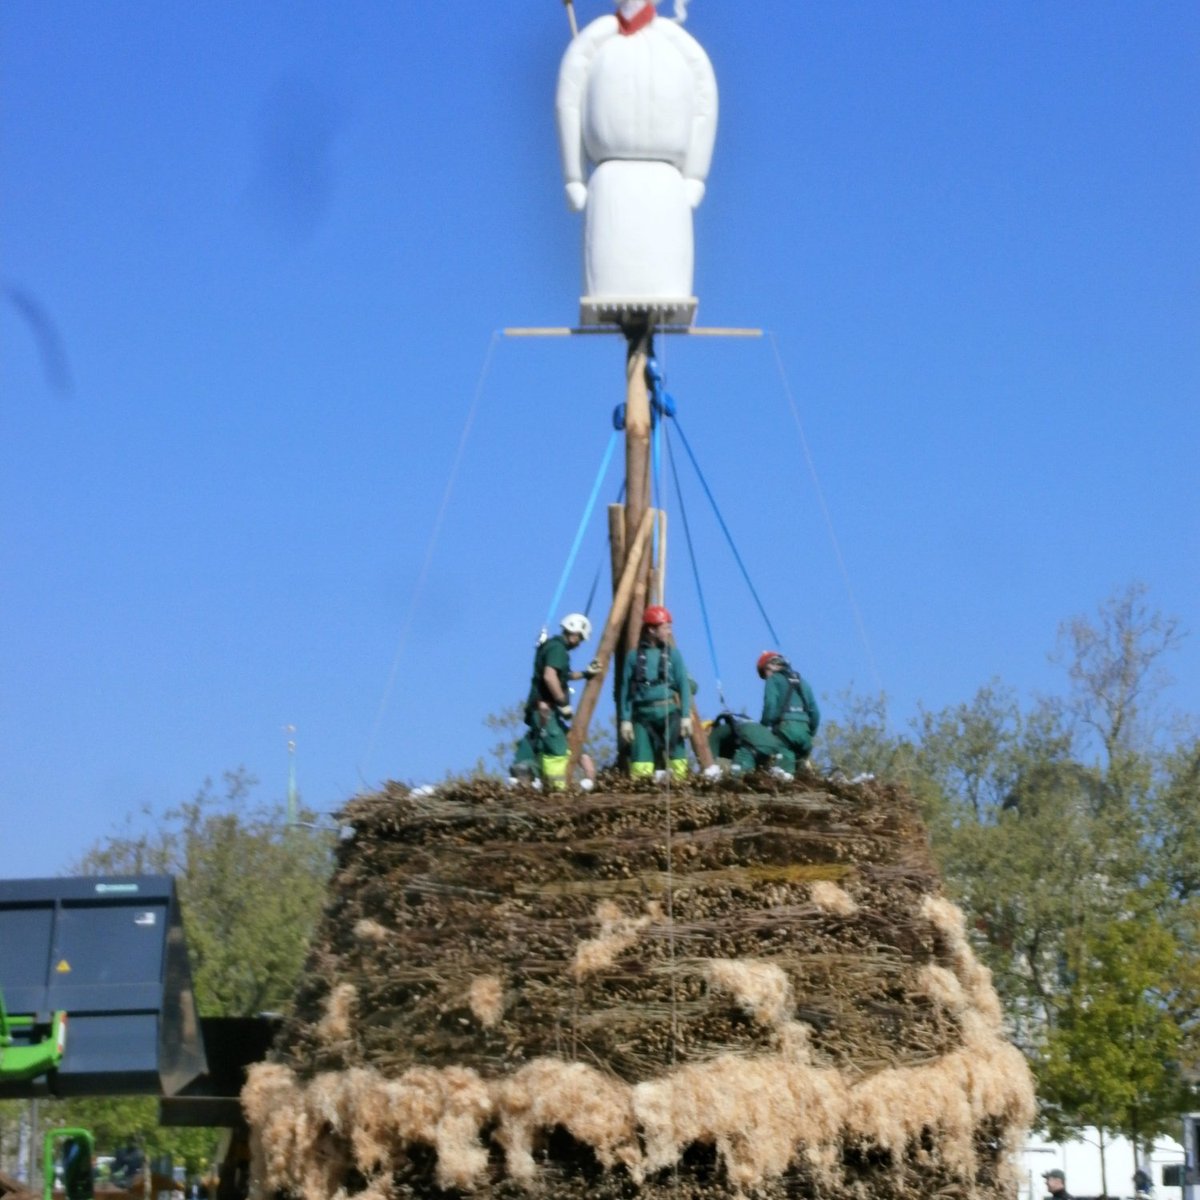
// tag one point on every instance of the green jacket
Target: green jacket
(651, 679)
(552, 652)
(785, 704)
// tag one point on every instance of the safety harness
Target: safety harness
(795, 689)
(641, 678)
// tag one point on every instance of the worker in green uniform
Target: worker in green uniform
(548, 710)
(790, 719)
(655, 701)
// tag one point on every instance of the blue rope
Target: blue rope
(728, 535)
(687, 533)
(583, 523)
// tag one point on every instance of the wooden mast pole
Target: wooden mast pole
(637, 459)
(632, 550)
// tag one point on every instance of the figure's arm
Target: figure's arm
(553, 685)
(810, 702)
(704, 112)
(624, 708)
(683, 682)
(568, 104)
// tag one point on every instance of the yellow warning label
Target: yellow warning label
(63, 966)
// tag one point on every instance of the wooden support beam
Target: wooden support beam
(637, 605)
(616, 542)
(658, 574)
(608, 639)
(586, 330)
(700, 740)
(616, 545)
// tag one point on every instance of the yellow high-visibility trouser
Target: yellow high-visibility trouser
(554, 771)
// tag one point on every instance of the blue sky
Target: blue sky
(275, 242)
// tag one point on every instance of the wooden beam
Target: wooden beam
(658, 576)
(700, 740)
(732, 331)
(616, 545)
(608, 639)
(637, 457)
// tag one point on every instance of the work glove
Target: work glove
(685, 727)
(565, 711)
(592, 669)
(627, 732)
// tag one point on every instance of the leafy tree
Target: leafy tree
(251, 889)
(1116, 669)
(1112, 1057)
(1102, 959)
(859, 741)
(1052, 826)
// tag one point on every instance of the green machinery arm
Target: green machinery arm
(29, 1047)
(77, 1174)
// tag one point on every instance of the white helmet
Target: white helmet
(577, 623)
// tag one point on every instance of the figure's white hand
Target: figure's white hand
(577, 195)
(627, 732)
(685, 727)
(693, 189)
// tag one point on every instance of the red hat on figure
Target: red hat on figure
(656, 615)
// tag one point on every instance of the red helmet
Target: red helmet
(765, 659)
(656, 615)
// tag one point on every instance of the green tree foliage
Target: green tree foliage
(1111, 1059)
(1068, 831)
(251, 889)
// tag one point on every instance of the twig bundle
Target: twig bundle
(715, 990)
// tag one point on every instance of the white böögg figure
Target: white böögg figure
(637, 99)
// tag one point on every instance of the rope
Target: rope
(423, 574)
(728, 535)
(660, 435)
(583, 524)
(687, 534)
(837, 550)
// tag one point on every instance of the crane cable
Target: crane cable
(431, 546)
(725, 529)
(860, 624)
(687, 536)
(579, 532)
(663, 406)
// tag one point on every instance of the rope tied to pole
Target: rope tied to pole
(663, 405)
(584, 520)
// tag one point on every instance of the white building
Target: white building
(1080, 1162)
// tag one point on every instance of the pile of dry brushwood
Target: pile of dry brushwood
(728, 988)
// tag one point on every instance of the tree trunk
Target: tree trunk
(1103, 1166)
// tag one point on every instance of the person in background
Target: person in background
(1056, 1184)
